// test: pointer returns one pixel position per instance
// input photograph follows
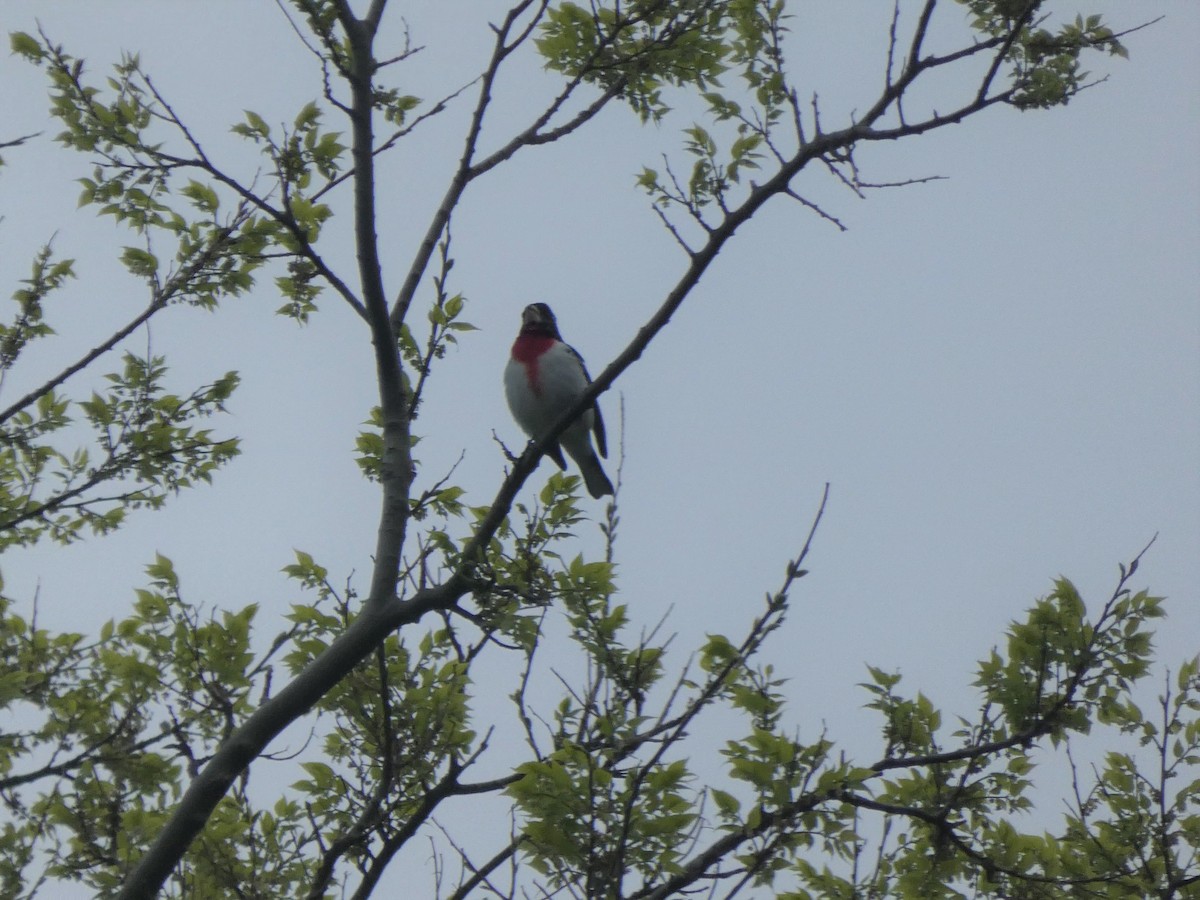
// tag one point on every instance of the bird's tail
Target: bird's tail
(597, 482)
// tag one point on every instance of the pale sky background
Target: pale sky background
(998, 373)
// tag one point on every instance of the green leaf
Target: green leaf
(140, 262)
(306, 118)
(727, 804)
(26, 45)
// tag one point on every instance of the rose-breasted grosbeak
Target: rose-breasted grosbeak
(544, 376)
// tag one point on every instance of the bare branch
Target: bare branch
(462, 176)
(17, 142)
(480, 875)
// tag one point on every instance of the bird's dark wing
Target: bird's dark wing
(597, 419)
(598, 430)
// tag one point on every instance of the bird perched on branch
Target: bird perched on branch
(543, 378)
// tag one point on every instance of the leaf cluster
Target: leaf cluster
(635, 49)
(1044, 64)
(103, 731)
(145, 445)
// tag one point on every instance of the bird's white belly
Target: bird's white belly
(560, 380)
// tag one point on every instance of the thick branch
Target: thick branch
(397, 467)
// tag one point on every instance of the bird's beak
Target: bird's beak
(530, 315)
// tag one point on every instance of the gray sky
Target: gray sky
(998, 373)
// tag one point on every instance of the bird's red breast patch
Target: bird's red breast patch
(527, 350)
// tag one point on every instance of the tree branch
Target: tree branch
(396, 470)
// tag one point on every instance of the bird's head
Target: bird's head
(538, 318)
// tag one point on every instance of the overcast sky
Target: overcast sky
(998, 373)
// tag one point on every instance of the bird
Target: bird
(544, 376)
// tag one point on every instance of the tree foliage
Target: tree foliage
(134, 761)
